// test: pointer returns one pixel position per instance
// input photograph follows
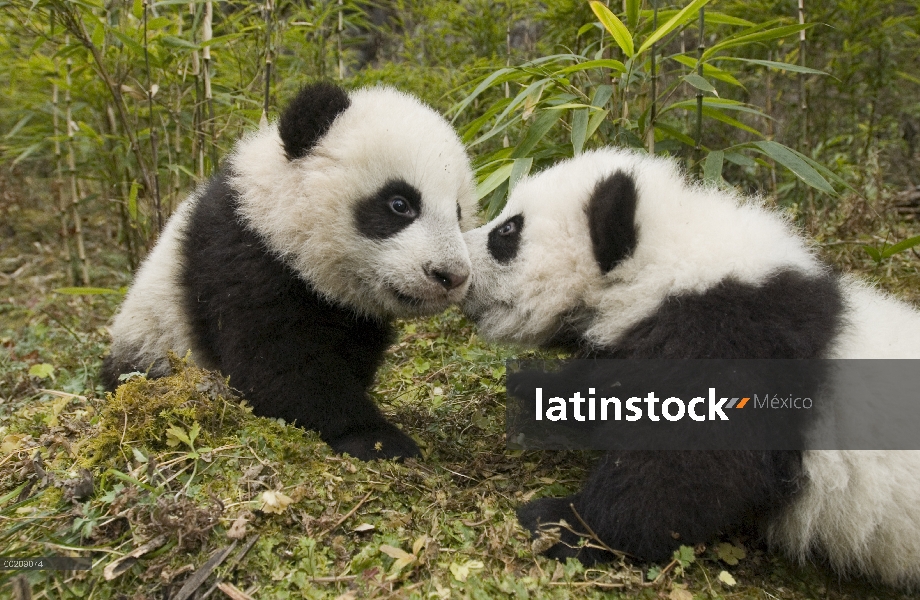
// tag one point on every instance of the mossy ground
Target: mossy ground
(181, 465)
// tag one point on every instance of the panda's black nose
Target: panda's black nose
(447, 279)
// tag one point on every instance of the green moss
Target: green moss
(144, 410)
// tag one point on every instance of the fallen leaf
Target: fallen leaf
(42, 371)
(363, 527)
(730, 554)
(274, 502)
(680, 594)
(237, 530)
(461, 572)
(726, 578)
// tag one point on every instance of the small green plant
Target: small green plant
(882, 253)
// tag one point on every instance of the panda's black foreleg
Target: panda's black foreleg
(646, 504)
(314, 378)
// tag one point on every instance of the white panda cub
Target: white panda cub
(286, 269)
(613, 254)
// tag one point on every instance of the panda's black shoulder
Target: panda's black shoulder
(788, 315)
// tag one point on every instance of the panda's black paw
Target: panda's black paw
(540, 518)
(384, 443)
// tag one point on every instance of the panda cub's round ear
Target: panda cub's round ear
(612, 219)
(309, 116)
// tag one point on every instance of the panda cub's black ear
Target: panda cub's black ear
(612, 220)
(309, 116)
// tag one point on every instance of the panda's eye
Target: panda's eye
(507, 229)
(401, 206)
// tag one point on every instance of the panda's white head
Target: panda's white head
(364, 195)
(594, 244)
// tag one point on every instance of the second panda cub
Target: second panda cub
(614, 255)
(285, 270)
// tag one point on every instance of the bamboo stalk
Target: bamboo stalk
(268, 55)
(125, 224)
(701, 47)
(66, 250)
(198, 138)
(206, 36)
(72, 170)
(803, 97)
(768, 121)
(505, 141)
(74, 24)
(653, 110)
(339, 41)
(157, 203)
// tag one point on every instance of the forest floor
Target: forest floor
(175, 490)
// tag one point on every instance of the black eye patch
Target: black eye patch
(390, 210)
(505, 239)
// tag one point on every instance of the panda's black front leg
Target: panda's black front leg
(646, 504)
(298, 378)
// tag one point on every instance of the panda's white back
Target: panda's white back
(152, 317)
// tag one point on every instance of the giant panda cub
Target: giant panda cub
(286, 269)
(613, 254)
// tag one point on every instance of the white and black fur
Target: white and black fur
(285, 269)
(613, 254)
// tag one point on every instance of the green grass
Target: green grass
(181, 462)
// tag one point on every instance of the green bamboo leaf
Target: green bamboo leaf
(632, 13)
(601, 95)
(132, 201)
(712, 17)
(137, 9)
(712, 166)
(682, 16)
(499, 76)
(215, 41)
(535, 133)
(467, 133)
(873, 253)
(98, 37)
(700, 83)
(585, 29)
(595, 121)
(499, 128)
(760, 36)
(615, 26)
(89, 291)
(742, 160)
(567, 106)
(674, 134)
(718, 103)
(709, 71)
(177, 42)
(713, 113)
(130, 44)
(908, 76)
(772, 64)
(795, 162)
(495, 179)
(901, 246)
(158, 23)
(579, 130)
(605, 63)
(519, 169)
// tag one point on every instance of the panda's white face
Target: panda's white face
(594, 244)
(533, 264)
(372, 216)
